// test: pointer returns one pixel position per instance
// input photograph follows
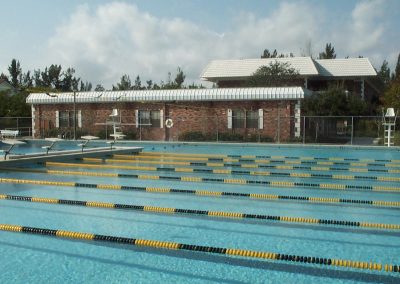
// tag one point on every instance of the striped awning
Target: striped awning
(221, 94)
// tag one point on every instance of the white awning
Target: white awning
(217, 94)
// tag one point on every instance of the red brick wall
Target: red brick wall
(205, 117)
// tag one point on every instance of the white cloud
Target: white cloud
(367, 27)
(117, 38)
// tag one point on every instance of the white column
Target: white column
(57, 119)
(297, 114)
(161, 118)
(80, 118)
(33, 120)
(229, 118)
(260, 118)
(137, 118)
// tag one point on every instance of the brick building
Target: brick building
(244, 111)
(230, 109)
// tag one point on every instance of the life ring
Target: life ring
(169, 123)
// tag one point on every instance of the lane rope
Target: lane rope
(264, 164)
(265, 182)
(256, 196)
(230, 172)
(252, 157)
(156, 244)
(208, 213)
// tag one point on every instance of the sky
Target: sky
(104, 40)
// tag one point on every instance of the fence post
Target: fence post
(304, 130)
(352, 130)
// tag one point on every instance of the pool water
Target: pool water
(28, 258)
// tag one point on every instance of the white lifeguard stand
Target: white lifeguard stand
(389, 124)
(116, 123)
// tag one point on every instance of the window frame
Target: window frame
(238, 118)
(252, 119)
(149, 118)
(65, 118)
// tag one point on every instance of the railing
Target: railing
(350, 130)
(22, 124)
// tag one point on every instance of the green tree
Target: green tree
(391, 98)
(274, 54)
(15, 70)
(384, 73)
(3, 77)
(267, 54)
(138, 83)
(26, 80)
(45, 78)
(180, 78)
(54, 76)
(276, 74)
(397, 69)
(124, 84)
(86, 87)
(329, 52)
(37, 78)
(69, 82)
(99, 88)
(334, 101)
(149, 84)
(17, 105)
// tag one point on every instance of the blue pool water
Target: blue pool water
(27, 258)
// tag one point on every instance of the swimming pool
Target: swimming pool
(327, 203)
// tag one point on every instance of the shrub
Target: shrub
(230, 137)
(192, 136)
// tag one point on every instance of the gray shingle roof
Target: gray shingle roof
(240, 68)
(350, 67)
(306, 66)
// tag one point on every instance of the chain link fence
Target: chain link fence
(340, 130)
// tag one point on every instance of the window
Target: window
(155, 118)
(66, 119)
(238, 118)
(149, 118)
(251, 119)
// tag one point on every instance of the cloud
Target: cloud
(117, 38)
(367, 28)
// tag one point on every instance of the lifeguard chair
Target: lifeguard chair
(389, 124)
(116, 123)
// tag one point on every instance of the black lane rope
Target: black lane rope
(362, 265)
(209, 213)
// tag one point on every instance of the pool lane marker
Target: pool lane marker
(208, 213)
(249, 158)
(266, 157)
(254, 161)
(255, 165)
(312, 185)
(156, 244)
(257, 196)
(225, 171)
